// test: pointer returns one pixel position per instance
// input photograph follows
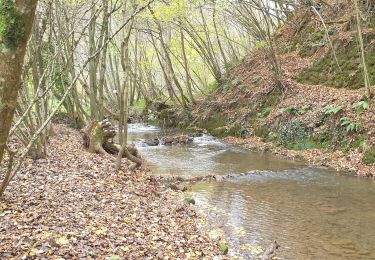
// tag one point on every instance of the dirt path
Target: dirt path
(73, 205)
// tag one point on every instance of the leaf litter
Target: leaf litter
(73, 205)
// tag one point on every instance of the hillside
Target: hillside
(322, 113)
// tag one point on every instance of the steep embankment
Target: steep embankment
(322, 114)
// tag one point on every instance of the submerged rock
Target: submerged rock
(178, 187)
(152, 142)
(179, 139)
(190, 200)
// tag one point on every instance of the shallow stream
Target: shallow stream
(312, 213)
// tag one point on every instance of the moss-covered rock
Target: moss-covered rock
(190, 200)
(224, 248)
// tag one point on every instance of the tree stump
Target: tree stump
(98, 137)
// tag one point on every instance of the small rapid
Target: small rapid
(312, 213)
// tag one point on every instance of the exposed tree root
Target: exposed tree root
(98, 138)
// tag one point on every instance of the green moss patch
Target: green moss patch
(326, 72)
(369, 156)
(11, 26)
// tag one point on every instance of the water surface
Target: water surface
(312, 213)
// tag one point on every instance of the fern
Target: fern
(349, 125)
(361, 106)
(332, 110)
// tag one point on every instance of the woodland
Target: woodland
(288, 77)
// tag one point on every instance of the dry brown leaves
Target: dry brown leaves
(72, 205)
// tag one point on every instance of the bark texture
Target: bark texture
(16, 20)
(98, 137)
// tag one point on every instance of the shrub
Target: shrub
(292, 132)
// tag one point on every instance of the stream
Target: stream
(312, 213)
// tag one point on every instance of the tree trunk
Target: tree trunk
(18, 19)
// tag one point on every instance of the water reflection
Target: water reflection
(312, 213)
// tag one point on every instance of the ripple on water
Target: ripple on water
(312, 213)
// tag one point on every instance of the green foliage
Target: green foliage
(244, 133)
(291, 132)
(213, 122)
(61, 81)
(361, 106)
(11, 25)
(294, 110)
(294, 135)
(226, 87)
(261, 45)
(311, 41)
(261, 131)
(228, 130)
(350, 126)
(140, 104)
(369, 156)
(265, 112)
(213, 86)
(332, 110)
(188, 114)
(358, 142)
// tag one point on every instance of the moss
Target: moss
(190, 200)
(313, 40)
(98, 135)
(11, 26)
(213, 122)
(224, 248)
(326, 72)
(358, 142)
(261, 131)
(224, 131)
(369, 156)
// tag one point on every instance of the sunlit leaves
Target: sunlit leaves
(168, 12)
(63, 240)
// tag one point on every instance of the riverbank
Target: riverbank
(73, 205)
(319, 110)
(337, 160)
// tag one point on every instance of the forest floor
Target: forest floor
(73, 205)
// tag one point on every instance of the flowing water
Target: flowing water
(312, 213)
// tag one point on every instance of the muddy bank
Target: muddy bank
(73, 205)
